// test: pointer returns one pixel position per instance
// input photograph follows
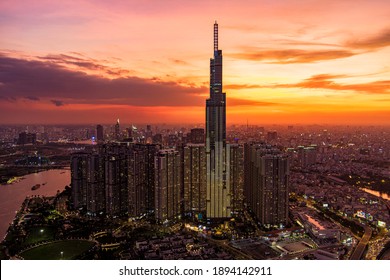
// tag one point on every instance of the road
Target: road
(358, 253)
(232, 250)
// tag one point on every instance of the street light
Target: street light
(62, 254)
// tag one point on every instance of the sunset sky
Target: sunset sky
(84, 61)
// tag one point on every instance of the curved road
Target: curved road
(386, 255)
(358, 253)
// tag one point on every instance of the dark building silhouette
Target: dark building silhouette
(99, 133)
(307, 156)
(27, 138)
(79, 179)
(167, 185)
(236, 178)
(194, 180)
(117, 131)
(141, 179)
(196, 136)
(96, 191)
(117, 180)
(267, 184)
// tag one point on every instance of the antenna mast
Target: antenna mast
(215, 36)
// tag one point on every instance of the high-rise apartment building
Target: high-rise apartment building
(79, 179)
(196, 136)
(218, 191)
(307, 156)
(116, 178)
(167, 185)
(236, 178)
(99, 133)
(266, 183)
(141, 178)
(194, 180)
(96, 191)
(27, 138)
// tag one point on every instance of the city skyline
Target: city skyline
(284, 62)
(302, 171)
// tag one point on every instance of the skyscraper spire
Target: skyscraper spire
(215, 36)
(218, 189)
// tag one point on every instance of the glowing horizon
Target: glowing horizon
(284, 62)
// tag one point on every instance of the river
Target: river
(12, 196)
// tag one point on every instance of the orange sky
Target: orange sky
(148, 61)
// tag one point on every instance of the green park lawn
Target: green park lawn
(38, 234)
(70, 250)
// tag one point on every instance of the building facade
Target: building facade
(194, 180)
(267, 184)
(167, 185)
(99, 133)
(79, 179)
(218, 191)
(141, 179)
(236, 178)
(196, 136)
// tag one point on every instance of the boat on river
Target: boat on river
(35, 187)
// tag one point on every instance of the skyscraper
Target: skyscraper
(117, 131)
(236, 178)
(194, 180)
(306, 156)
(196, 136)
(79, 179)
(99, 133)
(96, 190)
(218, 192)
(167, 185)
(116, 178)
(87, 181)
(141, 178)
(27, 138)
(266, 183)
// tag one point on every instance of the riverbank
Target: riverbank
(14, 174)
(12, 196)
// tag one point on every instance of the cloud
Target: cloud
(242, 86)
(292, 55)
(82, 62)
(377, 41)
(32, 98)
(325, 81)
(8, 98)
(247, 102)
(179, 61)
(306, 43)
(58, 103)
(51, 81)
(325, 51)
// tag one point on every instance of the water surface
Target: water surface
(12, 196)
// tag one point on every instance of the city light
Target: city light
(241, 142)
